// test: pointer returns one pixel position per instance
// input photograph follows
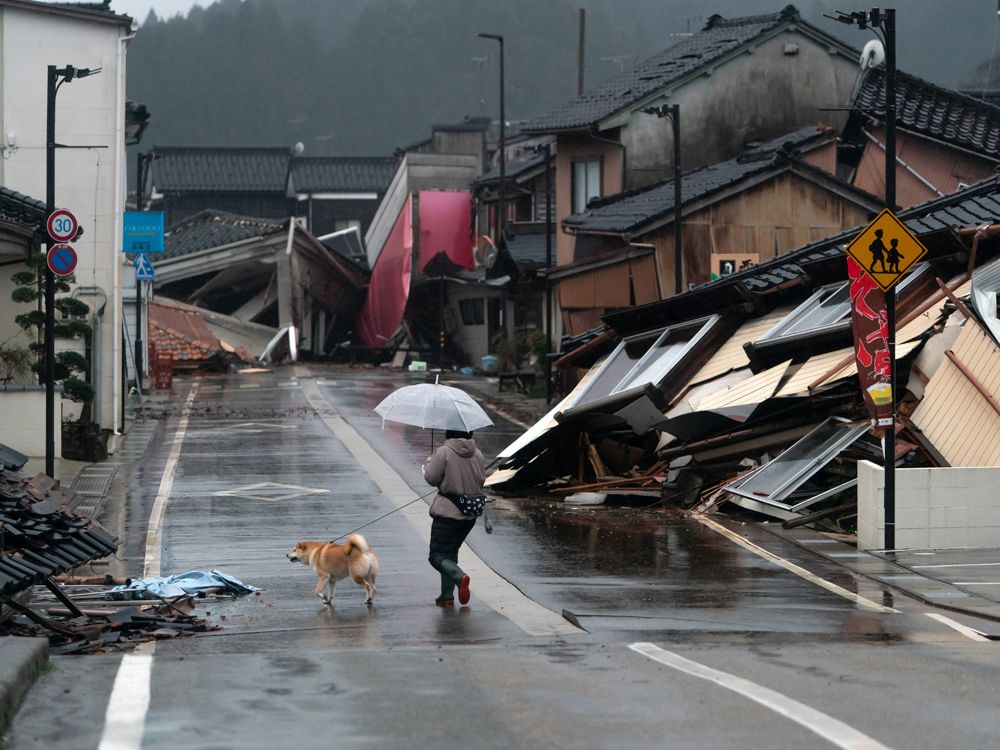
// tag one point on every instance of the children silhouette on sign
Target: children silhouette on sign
(893, 256)
(878, 251)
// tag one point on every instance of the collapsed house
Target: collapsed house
(745, 390)
(264, 271)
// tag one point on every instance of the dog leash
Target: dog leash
(395, 510)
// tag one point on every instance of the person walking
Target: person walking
(894, 256)
(877, 249)
(456, 468)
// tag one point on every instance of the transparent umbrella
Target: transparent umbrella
(433, 406)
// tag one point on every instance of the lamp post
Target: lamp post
(502, 209)
(673, 113)
(56, 77)
(885, 22)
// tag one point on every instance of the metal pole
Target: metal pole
(50, 286)
(138, 359)
(548, 265)
(675, 119)
(503, 156)
(889, 503)
(581, 52)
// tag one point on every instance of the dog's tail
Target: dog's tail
(356, 542)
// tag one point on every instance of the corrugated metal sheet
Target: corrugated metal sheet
(953, 415)
(731, 355)
(757, 389)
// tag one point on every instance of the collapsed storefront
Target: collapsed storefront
(746, 391)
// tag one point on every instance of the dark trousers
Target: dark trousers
(447, 535)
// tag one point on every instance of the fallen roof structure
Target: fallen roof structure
(745, 390)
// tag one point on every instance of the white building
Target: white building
(90, 173)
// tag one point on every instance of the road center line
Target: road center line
(793, 568)
(496, 591)
(827, 727)
(125, 718)
(970, 633)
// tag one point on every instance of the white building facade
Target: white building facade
(90, 164)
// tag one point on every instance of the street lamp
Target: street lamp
(501, 219)
(883, 22)
(673, 113)
(56, 78)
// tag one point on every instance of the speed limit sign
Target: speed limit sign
(62, 225)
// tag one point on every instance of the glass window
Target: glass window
(645, 360)
(586, 183)
(473, 311)
(776, 481)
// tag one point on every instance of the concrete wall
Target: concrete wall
(759, 95)
(938, 508)
(23, 412)
(90, 181)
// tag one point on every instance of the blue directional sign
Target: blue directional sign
(143, 232)
(144, 270)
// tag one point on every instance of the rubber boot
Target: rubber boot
(458, 577)
(447, 597)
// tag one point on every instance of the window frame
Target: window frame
(574, 181)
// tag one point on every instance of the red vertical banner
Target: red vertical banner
(869, 323)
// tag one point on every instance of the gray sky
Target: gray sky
(139, 9)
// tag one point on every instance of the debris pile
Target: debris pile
(41, 539)
(746, 390)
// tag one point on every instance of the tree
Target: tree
(68, 364)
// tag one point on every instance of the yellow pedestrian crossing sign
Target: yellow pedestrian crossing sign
(886, 249)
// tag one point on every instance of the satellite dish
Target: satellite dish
(872, 55)
(485, 253)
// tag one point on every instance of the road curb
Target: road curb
(21, 661)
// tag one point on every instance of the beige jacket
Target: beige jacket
(457, 467)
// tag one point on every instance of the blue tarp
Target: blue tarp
(181, 584)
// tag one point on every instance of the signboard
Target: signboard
(62, 225)
(724, 264)
(144, 270)
(886, 250)
(143, 232)
(61, 260)
(870, 325)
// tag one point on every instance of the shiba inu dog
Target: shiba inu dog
(335, 562)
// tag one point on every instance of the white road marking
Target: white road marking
(487, 584)
(859, 600)
(971, 633)
(125, 718)
(827, 727)
(957, 565)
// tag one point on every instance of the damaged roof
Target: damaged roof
(528, 251)
(343, 173)
(978, 204)
(720, 37)
(211, 228)
(631, 212)
(925, 108)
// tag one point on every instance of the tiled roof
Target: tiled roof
(20, 208)
(528, 250)
(944, 114)
(975, 205)
(220, 169)
(343, 173)
(719, 38)
(628, 211)
(512, 169)
(211, 228)
(182, 333)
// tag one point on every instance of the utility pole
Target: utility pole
(581, 52)
(675, 119)
(50, 279)
(548, 265)
(502, 208)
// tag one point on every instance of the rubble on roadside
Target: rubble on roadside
(745, 391)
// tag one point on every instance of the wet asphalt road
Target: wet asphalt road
(258, 470)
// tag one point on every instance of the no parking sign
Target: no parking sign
(62, 260)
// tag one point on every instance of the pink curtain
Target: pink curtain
(389, 288)
(446, 226)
